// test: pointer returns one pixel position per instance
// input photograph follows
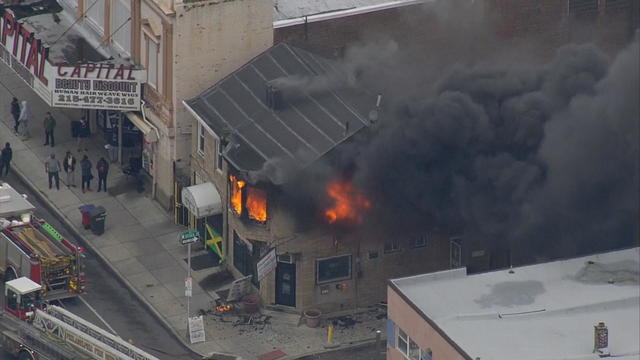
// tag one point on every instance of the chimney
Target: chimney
(274, 98)
(601, 340)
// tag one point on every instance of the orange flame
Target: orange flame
(257, 204)
(236, 194)
(224, 308)
(349, 202)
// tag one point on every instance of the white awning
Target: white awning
(202, 200)
(12, 203)
(23, 285)
(147, 130)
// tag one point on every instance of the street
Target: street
(108, 303)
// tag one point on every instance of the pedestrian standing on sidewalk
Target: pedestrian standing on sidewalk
(85, 165)
(23, 120)
(103, 170)
(83, 133)
(5, 159)
(49, 126)
(69, 165)
(52, 167)
(15, 111)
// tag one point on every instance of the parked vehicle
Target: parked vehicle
(31, 330)
(33, 248)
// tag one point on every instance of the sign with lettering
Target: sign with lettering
(24, 54)
(100, 85)
(267, 264)
(97, 86)
(196, 329)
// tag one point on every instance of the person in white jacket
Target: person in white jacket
(23, 120)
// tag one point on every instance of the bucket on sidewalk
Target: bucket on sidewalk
(85, 210)
(312, 317)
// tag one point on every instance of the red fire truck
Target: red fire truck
(32, 248)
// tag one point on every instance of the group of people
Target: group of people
(53, 168)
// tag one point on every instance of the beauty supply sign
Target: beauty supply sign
(97, 86)
(85, 85)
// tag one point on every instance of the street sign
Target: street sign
(188, 287)
(196, 329)
(188, 237)
(267, 264)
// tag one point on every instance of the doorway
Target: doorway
(286, 284)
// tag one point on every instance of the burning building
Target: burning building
(279, 114)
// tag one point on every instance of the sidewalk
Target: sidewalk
(140, 244)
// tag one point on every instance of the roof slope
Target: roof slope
(546, 311)
(309, 124)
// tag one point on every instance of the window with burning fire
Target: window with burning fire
(251, 198)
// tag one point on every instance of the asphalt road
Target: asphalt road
(108, 303)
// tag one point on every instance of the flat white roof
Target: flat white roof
(286, 10)
(543, 311)
(12, 203)
(23, 285)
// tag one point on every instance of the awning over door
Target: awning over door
(202, 200)
(147, 130)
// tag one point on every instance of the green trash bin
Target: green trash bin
(98, 218)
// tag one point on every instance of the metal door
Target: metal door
(286, 284)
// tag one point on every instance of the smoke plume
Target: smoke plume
(524, 154)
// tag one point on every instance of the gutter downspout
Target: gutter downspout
(155, 160)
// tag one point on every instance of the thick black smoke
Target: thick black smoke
(525, 155)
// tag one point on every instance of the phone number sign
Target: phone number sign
(121, 95)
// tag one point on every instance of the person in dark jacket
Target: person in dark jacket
(15, 111)
(5, 159)
(83, 133)
(49, 127)
(103, 169)
(85, 165)
(69, 166)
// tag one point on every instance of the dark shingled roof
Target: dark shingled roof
(307, 126)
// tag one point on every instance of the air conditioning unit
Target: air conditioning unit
(285, 258)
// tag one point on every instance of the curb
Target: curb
(348, 346)
(62, 217)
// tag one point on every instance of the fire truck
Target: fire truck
(31, 330)
(33, 248)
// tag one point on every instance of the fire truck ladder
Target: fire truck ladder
(92, 333)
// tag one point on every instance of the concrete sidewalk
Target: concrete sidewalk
(140, 243)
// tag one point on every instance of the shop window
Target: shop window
(219, 155)
(95, 14)
(418, 241)
(391, 246)
(256, 204)
(121, 25)
(152, 63)
(236, 194)
(201, 135)
(403, 342)
(333, 269)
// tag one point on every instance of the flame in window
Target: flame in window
(257, 204)
(236, 194)
(350, 203)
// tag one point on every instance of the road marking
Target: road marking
(98, 315)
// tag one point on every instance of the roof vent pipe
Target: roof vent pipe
(274, 98)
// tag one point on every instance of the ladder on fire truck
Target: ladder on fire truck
(71, 328)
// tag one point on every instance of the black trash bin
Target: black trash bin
(98, 217)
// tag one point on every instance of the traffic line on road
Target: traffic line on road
(98, 316)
